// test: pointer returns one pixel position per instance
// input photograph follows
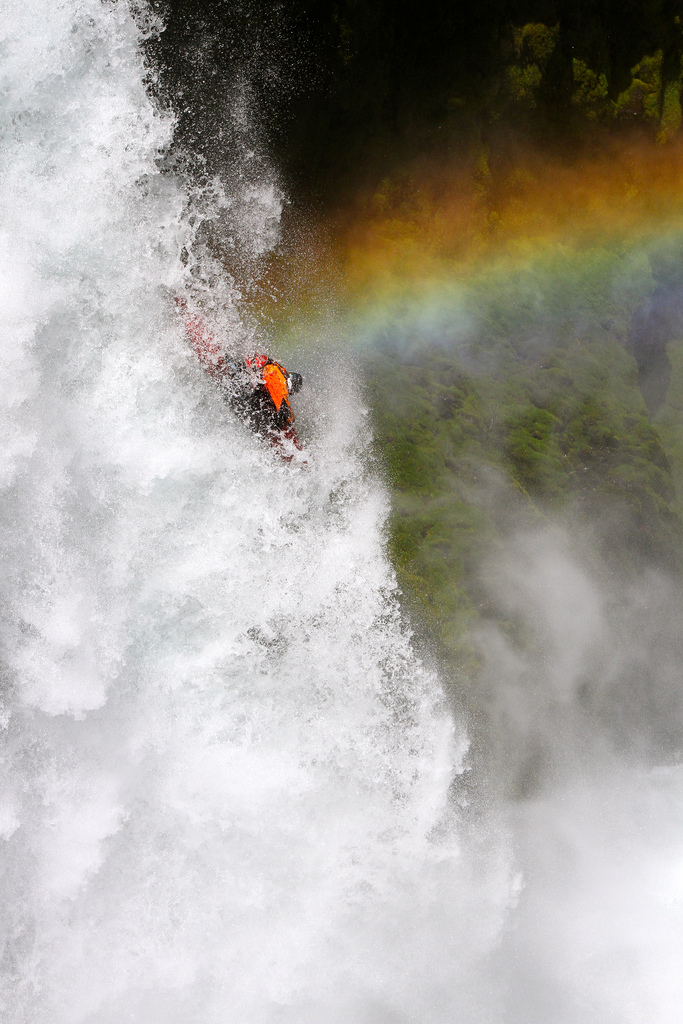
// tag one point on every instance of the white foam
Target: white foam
(227, 763)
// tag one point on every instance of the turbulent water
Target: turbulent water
(231, 792)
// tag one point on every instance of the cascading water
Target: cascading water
(226, 774)
(230, 789)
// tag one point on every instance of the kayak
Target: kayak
(257, 388)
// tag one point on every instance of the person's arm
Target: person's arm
(203, 340)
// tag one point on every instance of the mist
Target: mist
(240, 781)
(587, 722)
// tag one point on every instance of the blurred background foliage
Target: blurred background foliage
(477, 449)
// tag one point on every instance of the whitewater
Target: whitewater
(223, 764)
(231, 789)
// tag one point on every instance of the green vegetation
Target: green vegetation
(671, 113)
(591, 92)
(642, 98)
(668, 421)
(533, 47)
(504, 431)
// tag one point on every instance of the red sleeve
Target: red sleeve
(202, 339)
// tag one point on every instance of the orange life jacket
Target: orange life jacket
(275, 379)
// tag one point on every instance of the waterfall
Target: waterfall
(226, 773)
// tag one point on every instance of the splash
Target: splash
(226, 774)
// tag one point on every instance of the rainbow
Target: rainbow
(437, 242)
